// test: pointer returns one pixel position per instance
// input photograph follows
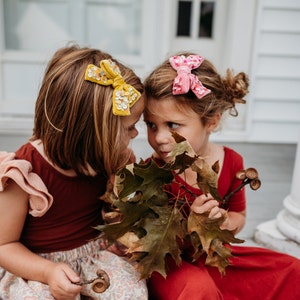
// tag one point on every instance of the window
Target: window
(195, 19)
(40, 25)
(206, 19)
(184, 18)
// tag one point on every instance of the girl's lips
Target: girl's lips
(164, 154)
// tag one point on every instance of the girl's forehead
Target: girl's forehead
(169, 106)
(173, 114)
(135, 113)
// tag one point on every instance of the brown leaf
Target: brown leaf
(181, 162)
(207, 179)
(156, 228)
(212, 239)
(161, 239)
(177, 137)
(181, 146)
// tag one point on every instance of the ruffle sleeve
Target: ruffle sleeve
(20, 171)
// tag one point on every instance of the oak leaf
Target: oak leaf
(185, 157)
(212, 239)
(154, 226)
(161, 239)
(207, 179)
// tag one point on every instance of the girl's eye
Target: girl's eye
(150, 125)
(173, 125)
(130, 128)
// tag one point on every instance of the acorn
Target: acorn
(251, 173)
(241, 175)
(102, 283)
(248, 176)
(255, 184)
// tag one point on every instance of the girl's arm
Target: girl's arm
(17, 259)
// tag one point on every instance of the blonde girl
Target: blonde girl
(85, 116)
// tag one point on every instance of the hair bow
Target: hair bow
(124, 95)
(185, 80)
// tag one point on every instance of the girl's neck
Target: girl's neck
(206, 151)
(212, 153)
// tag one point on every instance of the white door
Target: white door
(200, 26)
(204, 27)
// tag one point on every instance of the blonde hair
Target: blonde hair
(225, 91)
(74, 118)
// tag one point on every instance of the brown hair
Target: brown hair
(74, 118)
(225, 91)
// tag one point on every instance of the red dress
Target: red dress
(76, 210)
(253, 273)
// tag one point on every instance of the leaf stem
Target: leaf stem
(85, 282)
(228, 196)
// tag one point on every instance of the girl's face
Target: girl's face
(163, 115)
(129, 122)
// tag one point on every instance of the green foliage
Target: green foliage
(161, 239)
(161, 227)
(211, 239)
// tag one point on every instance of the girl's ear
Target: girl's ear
(214, 122)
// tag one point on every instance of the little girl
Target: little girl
(186, 94)
(85, 116)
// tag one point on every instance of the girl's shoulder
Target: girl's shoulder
(233, 161)
(15, 167)
(231, 154)
(25, 151)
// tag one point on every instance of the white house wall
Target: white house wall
(275, 102)
(261, 37)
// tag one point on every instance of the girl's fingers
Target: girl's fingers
(207, 206)
(215, 213)
(202, 199)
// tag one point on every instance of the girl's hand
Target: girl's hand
(206, 203)
(233, 220)
(62, 282)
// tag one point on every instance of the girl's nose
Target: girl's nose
(162, 136)
(133, 133)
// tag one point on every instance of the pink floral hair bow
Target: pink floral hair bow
(185, 80)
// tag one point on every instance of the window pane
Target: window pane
(184, 18)
(41, 25)
(114, 26)
(206, 19)
(34, 25)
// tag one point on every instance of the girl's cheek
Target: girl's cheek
(151, 138)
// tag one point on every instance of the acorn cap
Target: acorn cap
(241, 175)
(102, 283)
(255, 184)
(251, 173)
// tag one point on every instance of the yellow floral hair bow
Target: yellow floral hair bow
(124, 95)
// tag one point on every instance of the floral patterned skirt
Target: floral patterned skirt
(85, 260)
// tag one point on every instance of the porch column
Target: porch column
(283, 233)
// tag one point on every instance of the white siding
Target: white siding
(261, 37)
(275, 96)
